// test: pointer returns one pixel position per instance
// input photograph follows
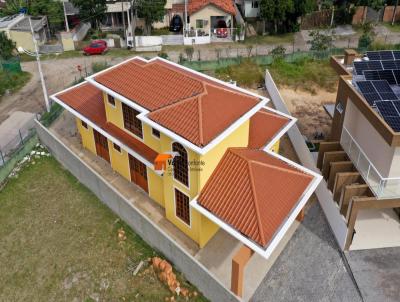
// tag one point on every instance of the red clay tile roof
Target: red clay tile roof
(264, 125)
(253, 192)
(225, 5)
(88, 101)
(150, 85)
(202, 118)
(190, 105)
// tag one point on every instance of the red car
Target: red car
(97, 47)
(222, 30)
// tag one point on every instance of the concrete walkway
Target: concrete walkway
(377, 273)
(310, 268)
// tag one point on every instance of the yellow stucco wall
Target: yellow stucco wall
(150, 140)
(239, 138)
(275, 147)
(86, 136)
(114, 114)
(119, 161)
(156, 187)
(22, 39)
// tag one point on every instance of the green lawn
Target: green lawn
(60, 243)
(12, 81)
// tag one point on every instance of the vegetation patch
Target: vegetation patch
(304, 73)
(270, 39)
(11, 82)
(247, 73)
(61, 243)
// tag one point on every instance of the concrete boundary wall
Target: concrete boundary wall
(193, 270)
(325, 198)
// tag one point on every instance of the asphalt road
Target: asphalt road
(311, 268)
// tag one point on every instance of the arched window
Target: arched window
(181, 166)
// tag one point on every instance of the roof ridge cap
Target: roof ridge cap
(299, 173)
(255, 203)
(200, 107)
(232, 90)
(178, 102)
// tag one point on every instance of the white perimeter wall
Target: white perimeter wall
(371, 142)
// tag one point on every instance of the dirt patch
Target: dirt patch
(308, 108)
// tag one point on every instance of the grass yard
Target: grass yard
(13, 81)
(270, 39)
(60, 243)
(303, 73)
(394, 28)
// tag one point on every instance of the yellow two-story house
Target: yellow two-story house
(133, 112)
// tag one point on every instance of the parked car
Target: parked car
(176, 24)
(222, 29)
(96, 47)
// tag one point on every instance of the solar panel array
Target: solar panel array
(383, 55)
(376, 78)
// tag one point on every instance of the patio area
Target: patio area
(216, 256)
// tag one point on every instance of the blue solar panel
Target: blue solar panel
(397, 105)
(397, 76)
(371, 98)
(382, 86)
(388, 96)
(366, 87)
(387, 55)
(371, 75)
(386, 108)
(396, 54)
(393, 122)
(380, 55)
(373, 55)
(367, 65)
(389, 64)
(388, 76)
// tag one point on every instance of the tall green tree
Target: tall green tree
(276, 11)
(152, 11)
(13, 6)
(7, 46)
(375, 4)
(91, 11)
(50, 8)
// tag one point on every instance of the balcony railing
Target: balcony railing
(383, 188)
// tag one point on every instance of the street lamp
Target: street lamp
(36, 54)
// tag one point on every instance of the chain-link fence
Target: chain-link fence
(225, 61)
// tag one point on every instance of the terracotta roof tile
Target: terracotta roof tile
(225, 5)
(180, 100)
(88, 101)
(253, 192)
(150, 85)
(203, 118)
(264, 125)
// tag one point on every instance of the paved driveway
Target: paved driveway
(377, 273)
(310, 268)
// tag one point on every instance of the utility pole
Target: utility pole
(123, 18)
(66, 19)
(133, 21)
(186, 15)
(46, 98)
(394, 12)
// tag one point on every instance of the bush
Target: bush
(99, 66)
(278, 52)
(12, 81)
(365, 41)
(247, 73)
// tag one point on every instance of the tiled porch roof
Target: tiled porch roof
(253, 192)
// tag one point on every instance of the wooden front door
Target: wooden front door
(101, 145)
(138, 173)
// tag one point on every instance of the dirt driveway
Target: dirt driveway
(59, 74)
